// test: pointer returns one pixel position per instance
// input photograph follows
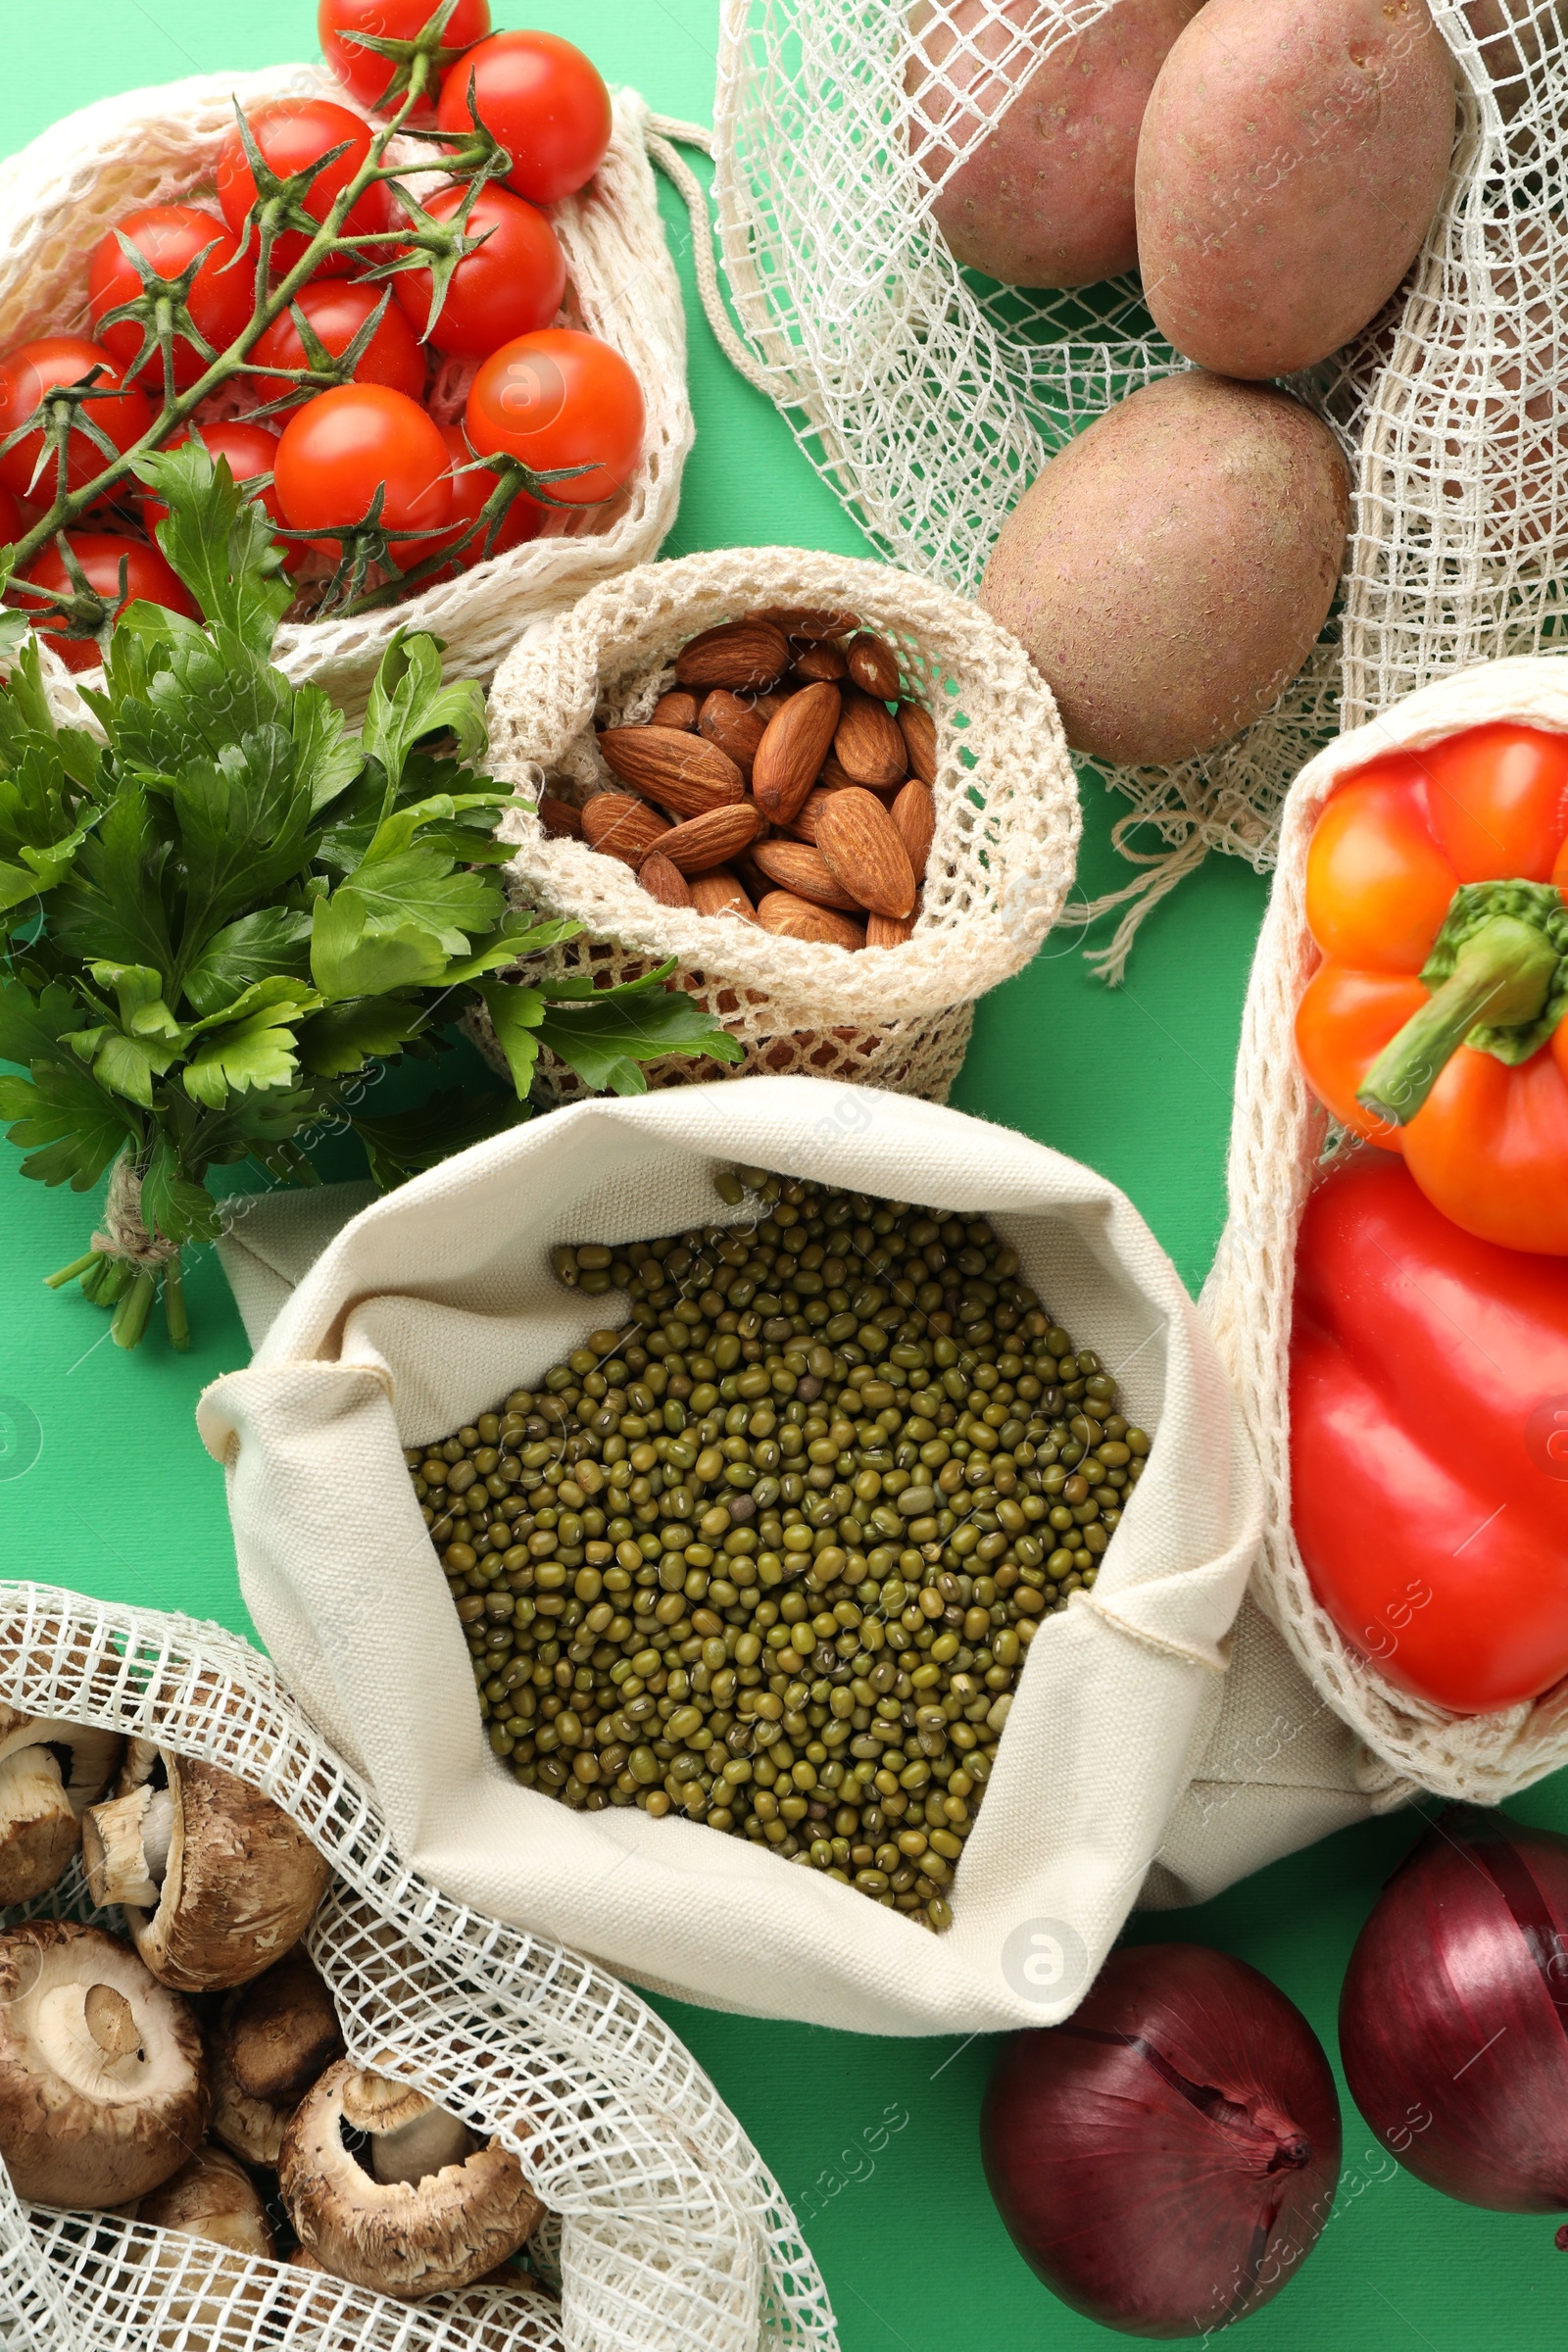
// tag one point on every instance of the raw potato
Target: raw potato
(1170, 571)
(1046, 200)
(1292, 155)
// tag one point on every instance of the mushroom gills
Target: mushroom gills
(125, 1846)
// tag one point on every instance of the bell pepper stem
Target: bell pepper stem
(1503, 975)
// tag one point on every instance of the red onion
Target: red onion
(1166, 2157)
(1454, 2021)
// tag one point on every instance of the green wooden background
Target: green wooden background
(104, 1487)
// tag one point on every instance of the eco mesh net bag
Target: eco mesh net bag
(930, 397)
(1001, 864)
(60, 194)
(667, 2231)
(1279, 1141)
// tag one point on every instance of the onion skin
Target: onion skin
(1166, 2185)
(1453, 2018)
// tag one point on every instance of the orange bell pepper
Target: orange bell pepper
(1437, 890)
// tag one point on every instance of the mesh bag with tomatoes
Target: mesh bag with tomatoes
(424, 307)
(1390, 1291)
(661, 2225)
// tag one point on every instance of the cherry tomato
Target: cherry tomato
(544, 101)
(35, 368)
(561, 398)
(337, 312)
(100, 554)
(170, 236)
(525, 517)
(364, 73)
(251, 450)
(291, 134)
(510, 286)
(338, 450)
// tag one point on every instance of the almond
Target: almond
(720, 892)
(863, 849)
(663, 880)
(794, 746)
(802, 824)
(677, 709)
(560, 819)
(888, 930)
(768, 706)
(790, 917)
(733, 725)
(820, 661)
(624, 828)
(914, 818)
(737, 655)
(809, 624)
(710, 839)
(867, 744)
(681, 772)
(873, 665)
(920, 731)
(795, 866)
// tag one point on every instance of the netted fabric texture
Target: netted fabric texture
(1000, 863)
(668, 2232)
(1277, 1149)
(930, 397)
(58, 196)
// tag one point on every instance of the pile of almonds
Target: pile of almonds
(784, 779)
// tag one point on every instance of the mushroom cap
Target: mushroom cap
(405, 2238)
(49, 1773)
(251, 2128)
(215, 2199)
(242, 1883)
(281, 2032)
(90, 2114)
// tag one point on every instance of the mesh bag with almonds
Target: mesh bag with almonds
(843, 849)
(661, 2225)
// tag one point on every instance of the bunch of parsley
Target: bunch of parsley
(225, 907)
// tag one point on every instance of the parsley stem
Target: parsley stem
(71, 1273)
(130, 1319)
(174, 1314)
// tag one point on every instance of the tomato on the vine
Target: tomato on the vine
(555, 398)
(35, 368)
(340, 449)
(524, 517)
(291, 136)
(393, 356)
(364, 73)
(510, 286)
(170, 236)
(12, 526)
(544, 101)
(100, 554)
(252, 453)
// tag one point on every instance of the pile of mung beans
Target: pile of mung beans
(771, 1548)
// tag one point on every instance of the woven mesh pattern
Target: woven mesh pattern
(672, 2232)
(929, 398)
(59, 195)
(1000, 863)
(1277, 1148)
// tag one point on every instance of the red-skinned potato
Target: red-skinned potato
(1292, 157)
(1169, 571)
(1047, 199)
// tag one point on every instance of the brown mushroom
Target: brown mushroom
(267, 2045)
(215, 1881)
(103, 2085)
(389, 2191)
(215, 2199)
(50, 1772)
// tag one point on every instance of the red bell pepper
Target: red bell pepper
(1429, 1442)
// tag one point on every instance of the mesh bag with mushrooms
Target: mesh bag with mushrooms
(815, 993)
(414, 2131)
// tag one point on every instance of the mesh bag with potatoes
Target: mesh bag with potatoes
(851, 144)
(59, 195)
(997, 857)
(1281, 1135)
(436, 2091)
